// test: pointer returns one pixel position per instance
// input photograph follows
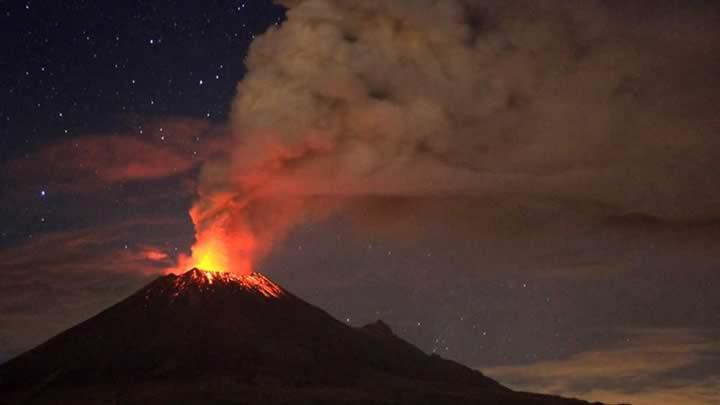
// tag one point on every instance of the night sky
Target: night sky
(602, 286)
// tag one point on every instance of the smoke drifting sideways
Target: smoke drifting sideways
(411, 109)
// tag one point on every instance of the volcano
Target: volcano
(207, 337)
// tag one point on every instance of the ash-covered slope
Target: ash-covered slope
(247, 336)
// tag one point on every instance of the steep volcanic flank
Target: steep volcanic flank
(247, 336)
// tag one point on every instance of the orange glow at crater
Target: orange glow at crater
(217, 251)
(236, 228)
(210, 255)
(223, 241)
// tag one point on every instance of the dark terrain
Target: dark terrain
(191, 339)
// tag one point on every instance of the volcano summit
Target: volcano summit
(208, 337)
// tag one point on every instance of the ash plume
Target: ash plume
(592, 103)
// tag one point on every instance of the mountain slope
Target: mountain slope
(248, 337)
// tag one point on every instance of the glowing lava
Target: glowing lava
(219, 253)
(210, 255)
(207, 280)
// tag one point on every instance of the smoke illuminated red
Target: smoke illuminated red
(223, 242)
(154, 254)
(242, 212)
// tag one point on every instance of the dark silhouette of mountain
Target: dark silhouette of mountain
(220, 338)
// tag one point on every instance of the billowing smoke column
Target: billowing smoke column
(355, 101)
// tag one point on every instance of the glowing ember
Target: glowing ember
(254, 282)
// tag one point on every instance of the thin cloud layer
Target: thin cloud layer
(86, 163)
(99, 248)
(648, 367)
(56, 279)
